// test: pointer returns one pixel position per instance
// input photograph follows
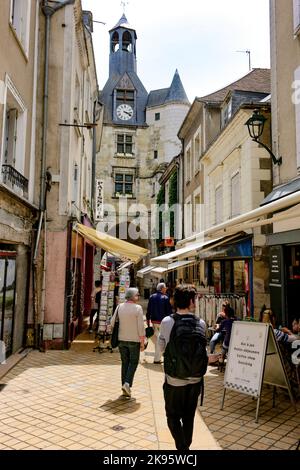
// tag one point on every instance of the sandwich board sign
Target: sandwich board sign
(253, 359)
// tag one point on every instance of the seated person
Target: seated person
(218, 331)
(285, 338)
(226, 328)
(295, 328)
(283, 335)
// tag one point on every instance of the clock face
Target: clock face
(124, 112)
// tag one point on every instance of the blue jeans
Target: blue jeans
(215, 339)
(130, 355)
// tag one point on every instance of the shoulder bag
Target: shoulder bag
(114, 341)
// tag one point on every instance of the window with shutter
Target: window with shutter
(235, 195)
(219, 204)
(296, 5)
(19, 20)
(14, 145)
(10, 136)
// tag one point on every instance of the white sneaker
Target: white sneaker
(126, 389)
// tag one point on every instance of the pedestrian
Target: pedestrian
(158, 308)
(218, 330)
(182, 339)
(95, 297)
(131, 336)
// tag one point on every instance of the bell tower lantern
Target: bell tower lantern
(122, 56)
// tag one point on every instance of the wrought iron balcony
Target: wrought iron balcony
(13, 178)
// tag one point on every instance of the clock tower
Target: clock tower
(138, 140)
(123, 95)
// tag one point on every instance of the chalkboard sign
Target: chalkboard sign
(253, 359)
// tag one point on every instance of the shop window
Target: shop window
(294, 263)
(216, 276)
(239, 277)
(7, 298)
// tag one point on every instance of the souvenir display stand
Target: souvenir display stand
(106, 311)
(107, 305)
(124, 285)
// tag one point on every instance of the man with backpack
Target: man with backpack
(182, 339)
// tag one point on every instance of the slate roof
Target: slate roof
(157, 97)
(122, 23)
(175, 93)
(258, 80)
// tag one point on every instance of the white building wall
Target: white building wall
(233, 152)
(164, 131)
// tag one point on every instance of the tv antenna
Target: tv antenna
(249, 57)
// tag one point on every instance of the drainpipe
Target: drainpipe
(48, 12)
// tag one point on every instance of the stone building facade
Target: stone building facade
(19, 24)
(139, 139)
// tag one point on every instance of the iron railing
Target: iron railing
(14, 178)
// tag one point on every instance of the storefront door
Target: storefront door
(7, 298)
(292, 259)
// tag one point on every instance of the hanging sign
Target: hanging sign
(99, 200)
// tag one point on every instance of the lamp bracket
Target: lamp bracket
(276, 161)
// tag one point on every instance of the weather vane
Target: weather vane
(124, 4)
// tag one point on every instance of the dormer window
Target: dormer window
(115, 42)
(127, 42)
(226, 112)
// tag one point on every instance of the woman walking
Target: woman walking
(131, 336)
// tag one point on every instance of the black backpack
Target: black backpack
(185, 354)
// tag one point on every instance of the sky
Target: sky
(200, 38)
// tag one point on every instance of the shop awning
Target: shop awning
(188, 251)
(111, 244)
(124, 265)
(289, 207)
(156, 270)
(191, 250)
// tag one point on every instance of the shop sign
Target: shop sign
(275, 268)
(99, 200)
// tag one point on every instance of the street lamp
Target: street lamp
(256, 124)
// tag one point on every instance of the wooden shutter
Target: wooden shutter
(219, 204)
(235, 195)
(297, 111)
(296, 5)
(11, 136)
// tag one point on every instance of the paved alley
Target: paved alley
(72, 400)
